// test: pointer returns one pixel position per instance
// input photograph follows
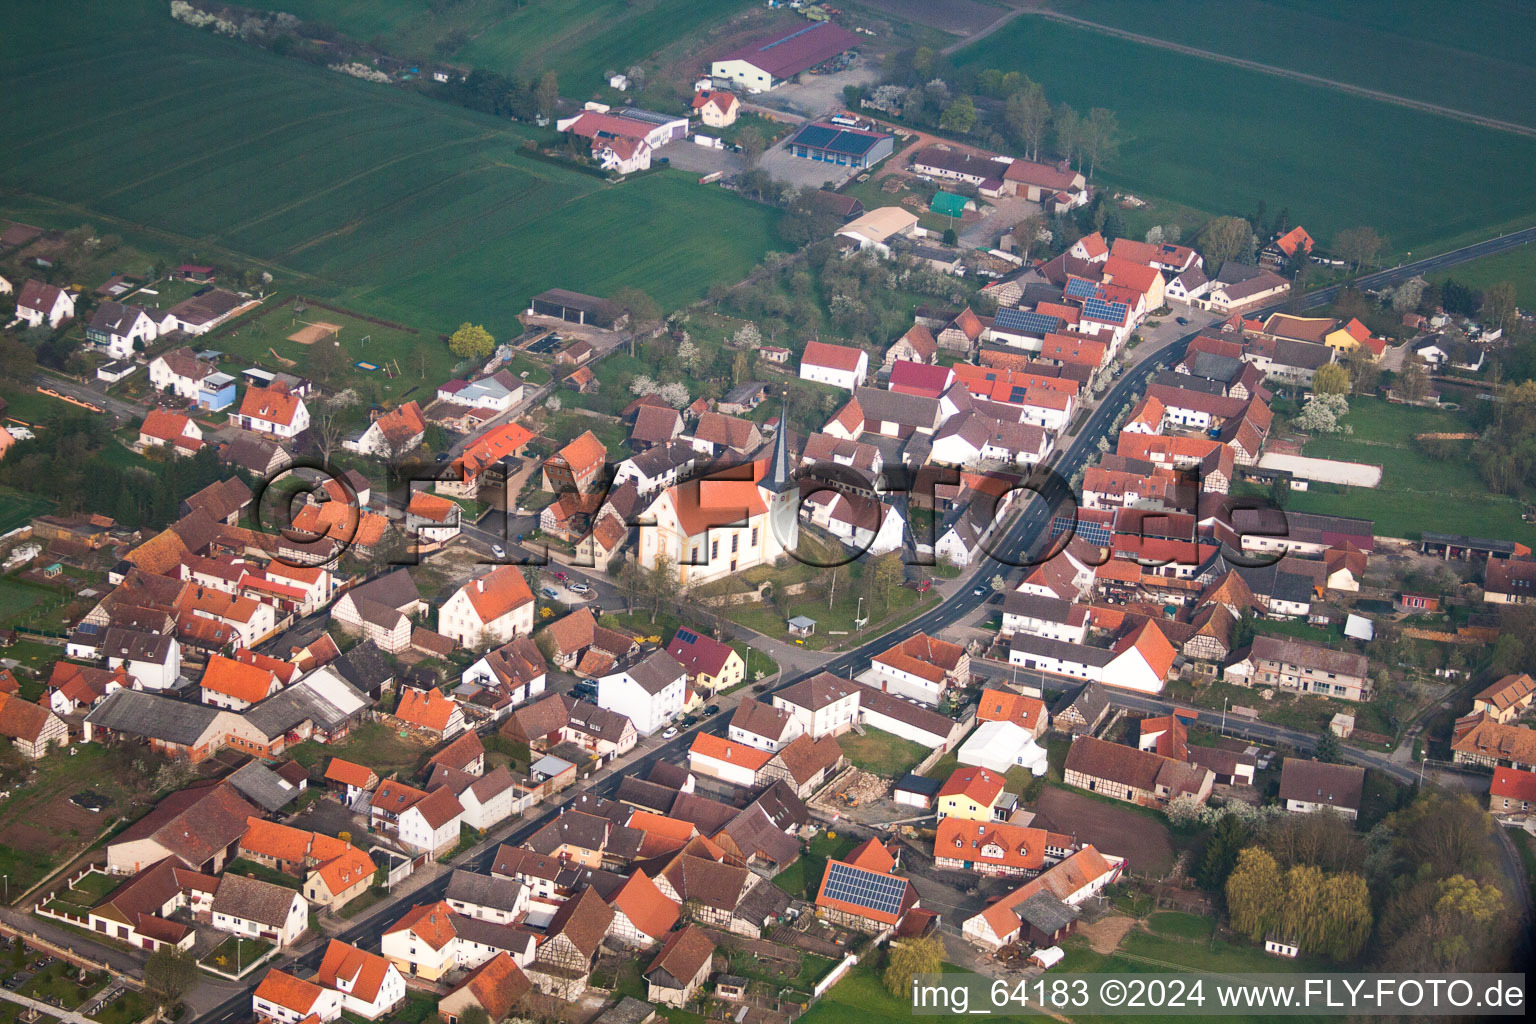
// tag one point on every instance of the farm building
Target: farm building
(764, 63)
(573, 307)
(835, 144)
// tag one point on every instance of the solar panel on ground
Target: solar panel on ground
(869, 889)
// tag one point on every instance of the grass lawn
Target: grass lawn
(1378, 44)
(803, 877)
(1417, 492)
(882, 753)
(235, 954)
(861, 998)
(373, 744)
(1176, 925)
(1517, 265)
(1210, 151)
(358, 194)
(127, 1008)
(18, 507)
(90, 890)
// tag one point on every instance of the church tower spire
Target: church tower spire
(783, 492)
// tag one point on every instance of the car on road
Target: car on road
(712, 710)
(671, 732)
(580, 588)
(498, 551)
(979, 591)
(1182, 321)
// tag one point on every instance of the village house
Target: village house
(274, 411)
(1512, 793)
(576, 467)
(396, 432)
(181, 372)
(711, 665)
(370, 985)
(381, 610)
(1135, 776)
(1044, 910)
(650, 692)
(681, 968)
(31, 728)
(1308, 786)
(922, 667)
(1479, 739)
(120, 330)
(1504, 699)
(1299, 666)
(289, 999)
(430, 940)
(251, 908)
(996, 848)
(430, 712)
(716, 108)
(491, 609)
(862, 893)
(975, 794)
(496, 987)
(837, 365)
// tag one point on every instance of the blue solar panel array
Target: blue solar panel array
(835, 140)
(865, 888)
(1097, 534)
(1080, 288)
(1101, 309)
(1025, 320)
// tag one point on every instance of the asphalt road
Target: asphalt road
(1021, 535)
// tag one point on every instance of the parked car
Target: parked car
(1182, 321)
(670, 733)
(549, 592)
(498, 551)
(689, 721)
(580, 588)
(712, 710)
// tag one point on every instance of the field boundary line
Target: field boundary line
(1295, 76)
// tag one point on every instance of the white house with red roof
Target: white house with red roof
(289, 999)
(711, 664)
(716, 107)
(431, 824)
(396, 432)
(489, 610)
(41, 303)
(370, 985)
(621, 154)
(842, 366)
(163, 428)
(275, 411)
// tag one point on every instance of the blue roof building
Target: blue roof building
(845, 147)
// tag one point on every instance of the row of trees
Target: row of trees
(491, 92)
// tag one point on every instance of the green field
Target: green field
(1480, 65)
(1417, 492)
(1221, 138)
(1516, 265)
(578, 39)
(360, 194)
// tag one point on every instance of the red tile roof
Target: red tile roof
(977, 784)
(837, 357)
(428, 709)
(363, 972)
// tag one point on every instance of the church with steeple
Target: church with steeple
(726, 520)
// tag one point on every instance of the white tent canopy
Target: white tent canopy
(999, 746)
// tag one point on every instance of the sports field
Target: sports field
(577, 39)
(1417, 492)
(1222, 138)
(361, 194)
(1482, 58)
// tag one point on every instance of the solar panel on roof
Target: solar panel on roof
(1094, 533)
(1080, 288)
(862, 888)
(1099, 309)
(1025, 320)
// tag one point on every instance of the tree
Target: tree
(689, 356)
(908, 959)
(471, 341)
(1346, 903)
(741, 367)
(1499, 307)
(1225, 238)
(17, 359)
(853, 96)
(922, 61)
(1413, 379)
(1358, 245)
(1405, 297)
(170, 975)
(752, 145)
(959, 117)
(642, 309)
(1226, 842)
(546, 95)
(1068, 130)
(951, 237)
(1253, 893)
(1321, 414)
(1101, 136)
(1331, 379)
(1027, 114)
(474, 1014)
(1327, 748)
(883, 576)
(747, 336)
(1026, 233)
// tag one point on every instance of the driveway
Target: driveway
(816, 95)
(695, 159)
(802, 173)
(998, 216)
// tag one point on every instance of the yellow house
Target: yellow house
(975, 794)
(1351, 336)
(711, 665)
